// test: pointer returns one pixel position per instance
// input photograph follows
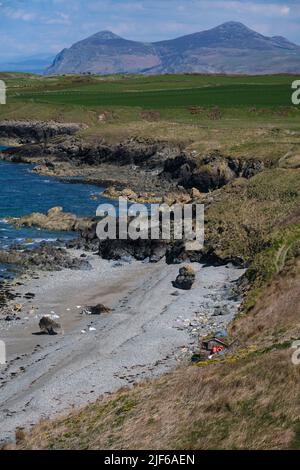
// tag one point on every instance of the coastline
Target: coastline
(152, 327)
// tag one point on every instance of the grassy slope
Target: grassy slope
(251, 400)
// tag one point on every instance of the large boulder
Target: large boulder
(185, 278)
(49, 326)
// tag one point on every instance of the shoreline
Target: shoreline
(152, 327)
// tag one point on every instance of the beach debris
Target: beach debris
(78, 306)
(17, 307)
(47, 325)
(221, 311)
(92, 328)
(83, 331)
(12, 317)
(29, 295)
(213, 346)
(175, 293)
(185, 278)
(95, 310)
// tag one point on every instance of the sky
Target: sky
(33, 27)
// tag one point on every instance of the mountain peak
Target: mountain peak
(106, 36)
(233, 24)
(234, 27)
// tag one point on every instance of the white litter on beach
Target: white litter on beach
(78, 306)
(91, 328)
(83, 331)
(49, 315)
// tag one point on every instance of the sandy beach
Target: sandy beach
(151, 328)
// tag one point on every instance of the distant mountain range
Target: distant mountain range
(32, 64)
(228, 48)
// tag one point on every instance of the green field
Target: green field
(174, 107)
(176, 91)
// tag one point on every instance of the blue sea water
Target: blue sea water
(23, 192)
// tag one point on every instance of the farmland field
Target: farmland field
(154, 106)
(157, 92)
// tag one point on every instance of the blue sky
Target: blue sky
(32, 27)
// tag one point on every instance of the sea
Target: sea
(23, 192)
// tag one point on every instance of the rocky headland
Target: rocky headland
(142, 165)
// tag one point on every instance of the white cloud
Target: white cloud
(22, 15)
(60, 18)
(285, 10)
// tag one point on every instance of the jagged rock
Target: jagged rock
(210, 172)
(176, 197)
(195, 194)
(176, 253)
(213, 173)
(46, 257)
(138, 249)
(47, 325)
(185, 278)
(129, 194)
(55, 219)
(36, 131)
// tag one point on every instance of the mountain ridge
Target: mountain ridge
(230, 47)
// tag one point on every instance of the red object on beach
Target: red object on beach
(217, 349)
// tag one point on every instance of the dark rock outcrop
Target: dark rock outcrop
(211, 172)
(36, 131)
(185, 278)
(138, 249)
(46, 257)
